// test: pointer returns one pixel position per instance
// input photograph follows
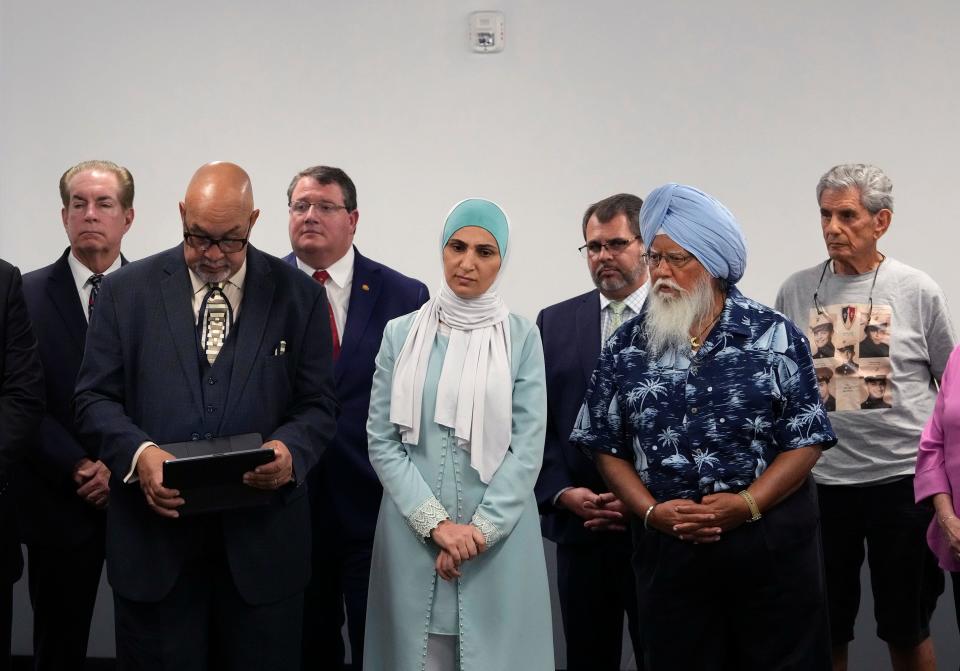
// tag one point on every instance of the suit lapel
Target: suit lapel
(258, 290)
(363, 296)
(588, 332)
(62, 291)
(177, 295)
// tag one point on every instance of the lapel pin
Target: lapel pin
(365, 287)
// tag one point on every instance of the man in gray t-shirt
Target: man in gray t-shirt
(892, 336)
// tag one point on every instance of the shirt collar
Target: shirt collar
(736, 318)
(81, 274)
(634, 301)
(340, 271)
(236, 280)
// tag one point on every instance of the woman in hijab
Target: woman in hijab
(456, 430)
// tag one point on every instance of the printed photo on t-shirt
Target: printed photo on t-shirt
(850, 343)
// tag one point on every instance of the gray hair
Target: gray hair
(124, 180)
(870, 181)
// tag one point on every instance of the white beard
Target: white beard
(669, 318)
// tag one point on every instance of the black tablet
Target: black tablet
(213, 481)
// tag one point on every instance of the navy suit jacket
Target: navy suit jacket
(344, 484)
(140, 380)
(50, 511)
(571, 346)
(21, 405)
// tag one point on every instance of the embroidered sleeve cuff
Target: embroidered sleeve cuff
(426, 517)
(491, 534)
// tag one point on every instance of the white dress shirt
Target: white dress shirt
(338, 286)
(81, 277)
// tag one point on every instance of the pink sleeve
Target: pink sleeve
(931, 475)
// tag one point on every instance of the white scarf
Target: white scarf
(475, 390)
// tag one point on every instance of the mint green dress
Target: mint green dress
(500, 608)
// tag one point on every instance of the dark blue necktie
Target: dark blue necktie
(95, 281)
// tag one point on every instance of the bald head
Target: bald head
(218, 206)
(220, 185)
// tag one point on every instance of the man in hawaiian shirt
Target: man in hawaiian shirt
(705, 418)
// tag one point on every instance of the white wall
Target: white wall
(750, 101)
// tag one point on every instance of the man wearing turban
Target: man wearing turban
(705, 419)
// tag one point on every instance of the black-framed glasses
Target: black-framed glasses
(324, 208)
(613, 247)
(204, 242)
(674, 260)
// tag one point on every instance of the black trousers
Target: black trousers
(6, 622)
(204, 624)
(597, 588)
(63, 584)
(753, 600)
(338, 586)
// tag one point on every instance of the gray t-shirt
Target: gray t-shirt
(877, 366)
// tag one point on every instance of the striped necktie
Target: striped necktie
(216, 320)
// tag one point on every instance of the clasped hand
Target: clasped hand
(702, 522)
(458, 543)
(601, 512)
(92, 479)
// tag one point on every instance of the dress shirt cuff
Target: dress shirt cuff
(427, 517)
(556, 497)
(131, 475)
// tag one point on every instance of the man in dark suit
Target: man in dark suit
(580, 514)
(345, 492)
(209, 339)
(21, 405)
(63, 491)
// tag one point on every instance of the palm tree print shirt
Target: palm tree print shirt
(710, 422)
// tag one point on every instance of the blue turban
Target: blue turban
(700, 224)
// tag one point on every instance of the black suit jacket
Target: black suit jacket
(140, 381)
(344, 483)
(571, 346)
(50, 511)
(21, 405)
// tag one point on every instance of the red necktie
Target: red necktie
(322, 276)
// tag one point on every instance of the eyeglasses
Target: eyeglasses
(653, 259)
(613, 247)
(816, 293)
(324, 209)
(204, 242)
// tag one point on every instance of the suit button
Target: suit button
(211, 381)
(207, 436)
(694, 410)
(194, 436)
(211, 409)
